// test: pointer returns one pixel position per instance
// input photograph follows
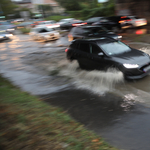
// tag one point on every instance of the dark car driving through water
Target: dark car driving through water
(103, 53)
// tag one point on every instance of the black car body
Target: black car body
(115, 23)
(104, 53)
(90, 31)
(90, 21)
(71, 24)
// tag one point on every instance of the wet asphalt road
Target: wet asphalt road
(119, 111)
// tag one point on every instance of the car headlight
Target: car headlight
(10, 29)
(9, 35)
(131, 65)
(46, 36)
(119, 37)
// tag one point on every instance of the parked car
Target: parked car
(115, 23)
(49, 24)
(103, 53)
(25, 25)
(137, 22)
(67, 20)
(44, 33)
(90, 31)
(6, 26)
(17, 20)
(90, 21)
(71, 24)
(5, 35)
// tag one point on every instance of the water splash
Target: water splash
(95, 81)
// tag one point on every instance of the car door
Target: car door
(100, 60)
(83, 55)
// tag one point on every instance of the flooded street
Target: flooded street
(104, 102)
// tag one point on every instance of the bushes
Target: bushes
(94, 12)
(57, 17)
(25, 30)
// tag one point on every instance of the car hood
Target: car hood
(133, 57)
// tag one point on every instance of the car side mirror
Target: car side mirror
(100, 54)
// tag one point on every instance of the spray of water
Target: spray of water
(96, 81)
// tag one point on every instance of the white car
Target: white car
(44, 34)
(67, 20)
(137, 22)
(48, 24)
(5, 35)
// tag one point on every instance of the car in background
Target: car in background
(44, 34)
(71, 24)
(49, 24)
(90, 21)
(7, 27)
(17, 20)
(25, 25)
(115, 23)
(104, 53)
(137, 22)
(67, 20)
(5, 35)
(80, 32)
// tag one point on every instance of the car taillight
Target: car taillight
(66, 50)
(129, 20)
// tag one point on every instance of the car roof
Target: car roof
(96, 40)
(86, 27)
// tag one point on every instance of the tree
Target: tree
(45, 9)
(70, 5)
(7, 7)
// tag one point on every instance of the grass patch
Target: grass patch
(25, 30)
(57, 17)
(27, 122)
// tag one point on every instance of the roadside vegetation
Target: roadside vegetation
(57, 17)
(27, 122)
(25, 30)
(87, 9)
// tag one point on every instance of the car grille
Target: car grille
(146, 65)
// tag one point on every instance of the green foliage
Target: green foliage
(57, 17)
(86, 9)
(70, 4)
(7, 7)
(25, 30)
(100, 10)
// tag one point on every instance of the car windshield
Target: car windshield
(41, 30)
(114, 48)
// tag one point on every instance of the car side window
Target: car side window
(84, 47)
(95, 49)
(73, 45)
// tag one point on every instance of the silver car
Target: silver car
(44, 34)
(5, 35)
